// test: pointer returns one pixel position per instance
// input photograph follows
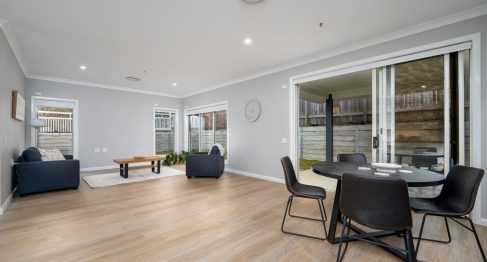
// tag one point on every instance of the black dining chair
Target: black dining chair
(455, 201)
(358, 158)
(380, 203)
(304, 191)
(425, 161)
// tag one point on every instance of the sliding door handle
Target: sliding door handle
(375, 142)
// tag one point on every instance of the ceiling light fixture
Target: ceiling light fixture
(133, 78)
(174, 84)
(247, 41)
(82, 67)
(423, 86)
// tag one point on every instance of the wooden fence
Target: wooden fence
(358, 139)
(61, 141)
(164, 141)
(346, 139)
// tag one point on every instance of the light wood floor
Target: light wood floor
(235, 218)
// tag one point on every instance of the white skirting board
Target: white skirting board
(244, 173)
(482, 222)
(7, 202)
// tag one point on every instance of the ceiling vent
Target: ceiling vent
(252, 1)
(133, 78)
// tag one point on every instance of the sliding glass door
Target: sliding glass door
(205, 127)
(420, 112)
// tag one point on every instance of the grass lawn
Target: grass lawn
(305, 164)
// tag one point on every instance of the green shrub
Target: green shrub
(305, 164)
(174, 158)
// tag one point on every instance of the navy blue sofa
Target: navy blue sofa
(35, 175)
(203, 164)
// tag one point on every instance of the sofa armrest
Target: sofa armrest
(42, 176)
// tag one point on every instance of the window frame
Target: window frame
(176, 128)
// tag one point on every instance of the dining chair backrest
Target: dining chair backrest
(460, 189)
(358, 158)
(376, 202)
(289, 174)
(424, 161)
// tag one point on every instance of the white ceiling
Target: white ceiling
(351, 85)
(198, 44)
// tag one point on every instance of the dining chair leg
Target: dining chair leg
(420, 237)
(340, 256)
(408, 241)
(477, 238)
(322, 210)
(286, 212)
(420, 233)
(296, 216)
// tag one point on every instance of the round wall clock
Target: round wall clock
(252, 110)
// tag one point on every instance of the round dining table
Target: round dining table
(414, 177)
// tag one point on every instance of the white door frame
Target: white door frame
(176, 127)
(438, 48)
(33, 100)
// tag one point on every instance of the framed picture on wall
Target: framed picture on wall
(18, 106)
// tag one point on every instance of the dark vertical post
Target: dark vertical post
(329, 128)
(454, 155)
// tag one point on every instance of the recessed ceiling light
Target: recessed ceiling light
(82, 67)
(423, 86)
(248, 41)
(174, 84)
(133, 78)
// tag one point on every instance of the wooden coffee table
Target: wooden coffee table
(124, 164)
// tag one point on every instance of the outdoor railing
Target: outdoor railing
(56, 125)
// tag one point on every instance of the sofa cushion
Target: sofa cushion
(51, 154)
(31, 154)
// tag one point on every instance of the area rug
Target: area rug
(111, 179)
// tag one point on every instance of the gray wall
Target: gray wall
(256, 147)
(11, 78)
(120, 121)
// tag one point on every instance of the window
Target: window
(58, 124)
(165, 131)
(206, 126)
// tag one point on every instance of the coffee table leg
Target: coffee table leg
(152, 166)
(126, 171)
(121, 170)
(158, 166)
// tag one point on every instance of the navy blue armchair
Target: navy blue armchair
(203, 164)
(35, 175)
